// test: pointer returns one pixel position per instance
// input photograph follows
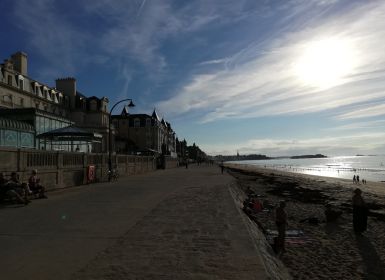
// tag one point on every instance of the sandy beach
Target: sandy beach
(324, 250)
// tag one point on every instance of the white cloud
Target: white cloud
(258, 81)
(366, 111)
(358, 126)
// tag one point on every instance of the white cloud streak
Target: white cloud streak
(262, 84)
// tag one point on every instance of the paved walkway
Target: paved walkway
(170, 224)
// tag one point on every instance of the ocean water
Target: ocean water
(370, 168)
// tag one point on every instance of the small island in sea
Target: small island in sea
(241, 157)
(309, 156)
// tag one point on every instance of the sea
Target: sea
(370, 168)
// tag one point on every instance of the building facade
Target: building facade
(140, 133)
(46, 108)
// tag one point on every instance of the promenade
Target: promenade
(169, 224)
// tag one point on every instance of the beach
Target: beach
(319, 250)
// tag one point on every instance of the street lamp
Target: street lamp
(131, 104)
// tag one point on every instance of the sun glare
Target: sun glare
(325, 63)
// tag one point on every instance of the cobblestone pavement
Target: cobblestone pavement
(196, 233)
(170, 224)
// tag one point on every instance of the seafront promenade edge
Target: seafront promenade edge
(169, 224)
(60, 169)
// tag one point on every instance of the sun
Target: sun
(325, 63)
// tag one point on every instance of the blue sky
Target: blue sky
(272, 77)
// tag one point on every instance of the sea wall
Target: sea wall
(67, 169)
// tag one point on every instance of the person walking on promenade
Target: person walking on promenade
(358, 179)
(354, 179)
(281, 223)
(360, 212)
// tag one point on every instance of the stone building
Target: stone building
(144, 133)
(45, 108)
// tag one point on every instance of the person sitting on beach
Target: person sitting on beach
(281, 223)
(35, 186)
(360, 212)
(257, 205)
(248, 205)
(331, 214)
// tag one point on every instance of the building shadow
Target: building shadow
(374, 267)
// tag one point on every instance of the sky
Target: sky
(273, 77)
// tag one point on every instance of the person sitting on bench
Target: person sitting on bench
(13, 189)
(35, 186)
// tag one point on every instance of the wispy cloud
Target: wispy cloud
(366, 111)
(264, 84)
(358, 126)
(50, 34)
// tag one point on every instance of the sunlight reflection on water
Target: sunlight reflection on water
(370, 168)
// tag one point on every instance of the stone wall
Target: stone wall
(66, 169)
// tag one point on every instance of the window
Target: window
(21, 84)
(93, 105)
(148, 122)
(137, 123)
(22, 102)
(9, 80)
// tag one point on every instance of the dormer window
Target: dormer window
(49, 95)
(55, 99)
(60, 97)
(39, 92)
(93, 105)
(45, 93)
(21, 82)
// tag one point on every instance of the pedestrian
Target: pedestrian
(222, 168)
(360, 212)
(281, 223)
(358, 179)
(354, 179)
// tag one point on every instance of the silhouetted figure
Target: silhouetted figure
(360, 212)
(281, 223)
(358, 179)
(15, 189)
(35, 185)
(354, 179)
(331, 214)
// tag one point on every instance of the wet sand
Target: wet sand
(326, 250)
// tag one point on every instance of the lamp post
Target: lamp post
(131, 104)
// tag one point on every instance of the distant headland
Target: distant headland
(263, 157)
(309, 156)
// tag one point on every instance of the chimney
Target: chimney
(20, 63)
(68, 87)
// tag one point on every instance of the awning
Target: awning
(71, 133)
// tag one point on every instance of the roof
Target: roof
(71, 133)
(155, 115)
